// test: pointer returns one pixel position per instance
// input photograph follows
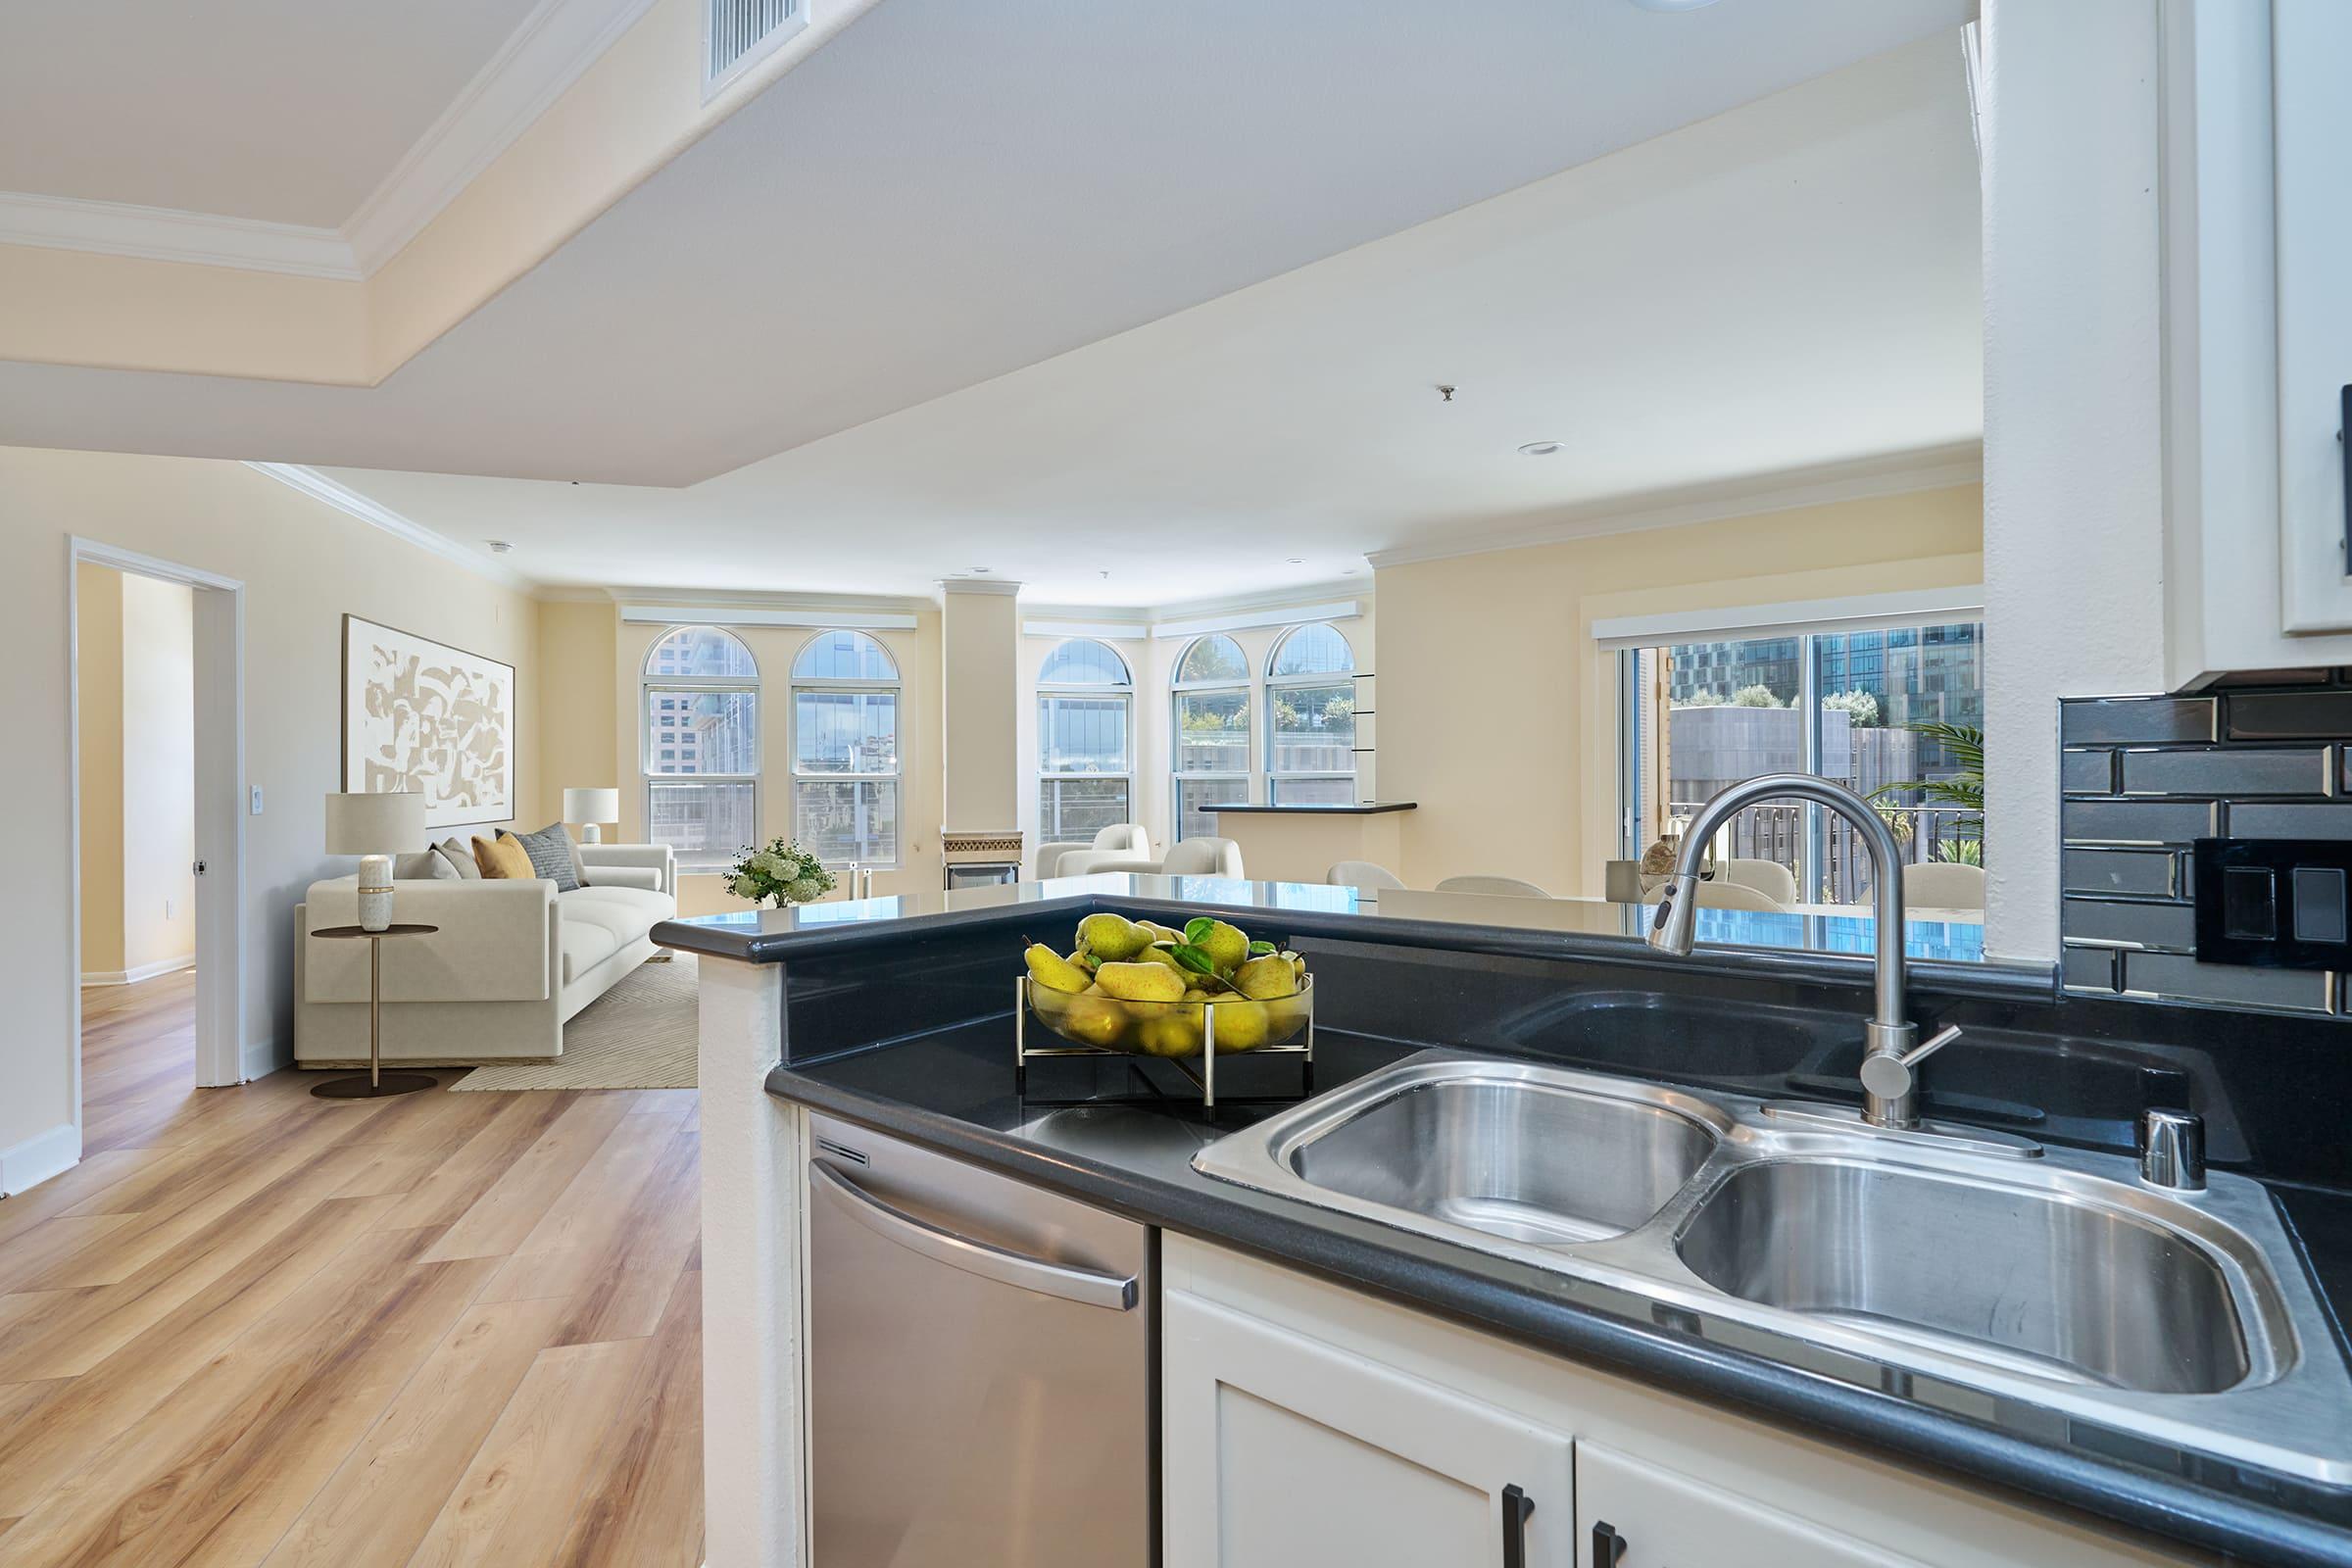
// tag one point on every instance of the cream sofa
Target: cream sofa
(511, 961)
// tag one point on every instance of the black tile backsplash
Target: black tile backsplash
(2138, 720)
(2144, 778)
(2233, 772)
(2289, 715)
(2139, 821)
(2123, 873)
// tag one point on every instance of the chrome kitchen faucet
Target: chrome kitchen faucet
(1892, 1050)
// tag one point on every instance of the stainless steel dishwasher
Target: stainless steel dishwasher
(980, 1352)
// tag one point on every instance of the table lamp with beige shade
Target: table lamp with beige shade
(374, 827)
(592, 809)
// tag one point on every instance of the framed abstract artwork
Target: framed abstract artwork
(424, 717)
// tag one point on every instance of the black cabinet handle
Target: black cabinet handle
(1517, 1508)
(1607, 1546)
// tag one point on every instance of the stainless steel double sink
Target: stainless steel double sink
(2046, 1275)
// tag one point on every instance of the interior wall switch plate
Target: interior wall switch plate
(2277, 904)
(257, 799)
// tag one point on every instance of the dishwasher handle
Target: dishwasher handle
(1016, 1269)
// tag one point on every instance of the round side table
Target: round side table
(378, 1082)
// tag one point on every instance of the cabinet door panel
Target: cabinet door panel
(2311, 120)
(1280, 1450)
(1668, 1520)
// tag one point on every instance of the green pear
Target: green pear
(1140, 982)
(1113, 938)
(1269, 976)
(1240, 1025)
(1163, 952)
(1094, 1019)
(1171, 1032)
(1053, 971)
(1226, 946)
(1161, 933)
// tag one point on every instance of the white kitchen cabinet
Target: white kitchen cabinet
(1305, 1424)
(2257, 330)
(1279, 1451)
(1633, 1513)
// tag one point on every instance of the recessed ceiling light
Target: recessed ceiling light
(979, 571)
(1539, 449)
(1295, 560)
(498, 547)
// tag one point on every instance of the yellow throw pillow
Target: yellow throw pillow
(504, 859)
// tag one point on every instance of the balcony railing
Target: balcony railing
(1780, 832)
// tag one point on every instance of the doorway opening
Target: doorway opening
(158, 806)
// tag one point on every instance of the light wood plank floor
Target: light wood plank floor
(258, 1329)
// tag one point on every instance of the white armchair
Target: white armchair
(1121, 841)
(1199, 856)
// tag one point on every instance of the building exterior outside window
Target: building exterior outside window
(1311, 718)
(1085, 758)
(701, 746)
(1210, 711)
(845, 750)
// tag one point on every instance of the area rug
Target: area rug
(638, 1035)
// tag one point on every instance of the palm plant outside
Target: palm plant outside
(1965, 743)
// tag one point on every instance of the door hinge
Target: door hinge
(200, 868)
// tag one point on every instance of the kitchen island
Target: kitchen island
(899, 1021)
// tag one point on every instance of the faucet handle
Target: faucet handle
(1888, 1074)
(1931, 1044)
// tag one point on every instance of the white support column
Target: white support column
(754, 1463)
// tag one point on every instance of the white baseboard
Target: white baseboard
(39, 1157)
(145, 971)
(262, 1058)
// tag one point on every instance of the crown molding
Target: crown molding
(548, 51)
(165, 234)
(994, 587)
(1898, 474)
(318, 487)
(735, 599)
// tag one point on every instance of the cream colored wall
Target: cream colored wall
(159, 775)
(304, 565)
(576, 705)
(1497, 715)
(98, 649)
(917, 653)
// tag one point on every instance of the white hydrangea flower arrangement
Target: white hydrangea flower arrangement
(783, 872)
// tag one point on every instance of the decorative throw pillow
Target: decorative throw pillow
(550, 850)
(425, 867)
(459, 859)
(504, 859)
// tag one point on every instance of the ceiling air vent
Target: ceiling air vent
(736, 34)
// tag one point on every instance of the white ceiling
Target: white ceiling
(286, 111)
(1792, 285)
(947, 192)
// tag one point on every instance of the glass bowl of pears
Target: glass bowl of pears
(1151, 989)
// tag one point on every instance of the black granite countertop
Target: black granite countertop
(953, 1090)
(1802, 946)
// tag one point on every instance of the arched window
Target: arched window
(1311, 718)
(845, 750)
(701, 746)
(1085, 758)
(1212, 699)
